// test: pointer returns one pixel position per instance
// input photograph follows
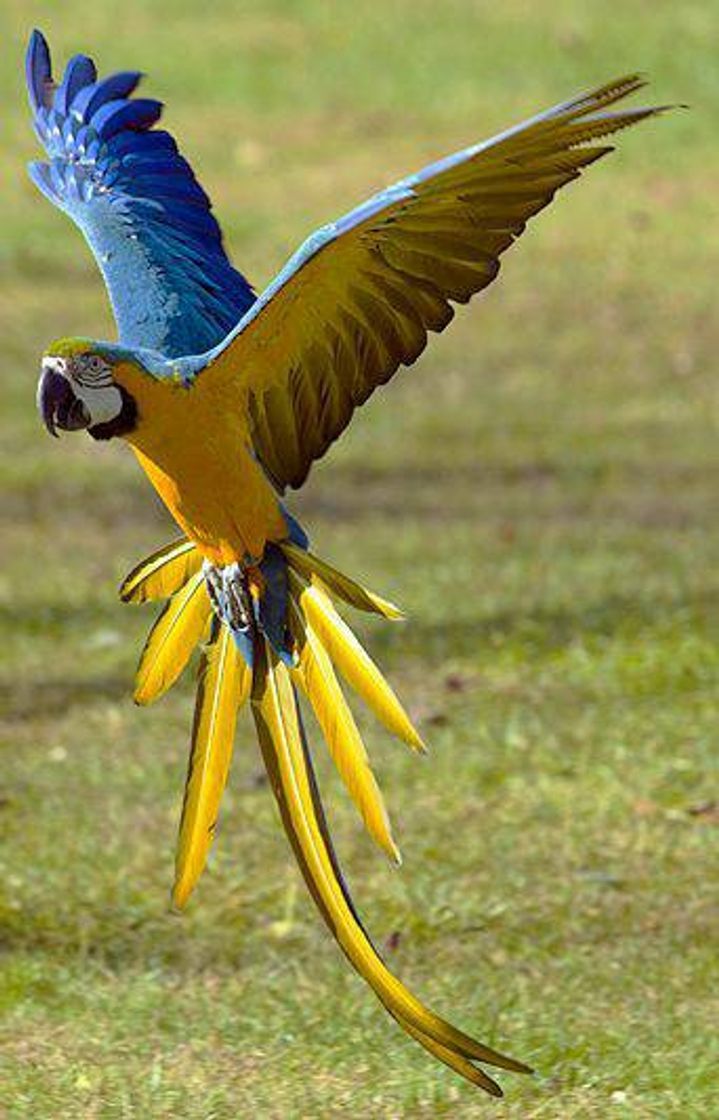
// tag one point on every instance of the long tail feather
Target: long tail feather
(353, 661)
(224, 686)
(340, 731)
(455, 1061)
(163, 574)
(275, 710)
(172, 639)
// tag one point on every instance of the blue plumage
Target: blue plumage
(38, 71)
(79, 73)
(145, 216)
(271, 608)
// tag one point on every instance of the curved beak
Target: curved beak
(57, 404)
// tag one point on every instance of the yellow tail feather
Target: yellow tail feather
(455, 1061)
(340, 731)
(162, 574)
(312, 568)
(322, 641)
(172, 639)
(224, 686)
(353, 661)
(275, 710)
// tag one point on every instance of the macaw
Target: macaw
(226, 398)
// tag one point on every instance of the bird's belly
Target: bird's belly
(228, 508)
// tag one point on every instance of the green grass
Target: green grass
(539, 494)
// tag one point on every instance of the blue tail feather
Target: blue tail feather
(271, 611)
(296, 533)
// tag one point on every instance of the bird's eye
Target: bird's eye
(90, 369)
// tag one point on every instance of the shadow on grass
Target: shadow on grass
(662, 494)
(42, 697)
(121, 919)
(545, 629)
(539, 629)
(357, 492)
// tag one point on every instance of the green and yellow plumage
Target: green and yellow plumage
(68, 347)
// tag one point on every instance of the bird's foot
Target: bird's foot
(228, 589)
(252, 599)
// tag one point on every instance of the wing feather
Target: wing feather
(146, 218)
(367, 289)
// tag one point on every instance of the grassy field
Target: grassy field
(540, 494)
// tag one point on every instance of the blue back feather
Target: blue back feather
(145, 216)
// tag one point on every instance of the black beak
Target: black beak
(58, 405)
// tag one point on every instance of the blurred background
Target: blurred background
(539, 493)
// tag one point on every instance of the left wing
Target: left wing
(145, 216)
(357, 300)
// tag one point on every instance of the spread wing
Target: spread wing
(145, 216)
(359, 297)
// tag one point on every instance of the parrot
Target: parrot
(226, 397)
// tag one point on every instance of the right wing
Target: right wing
(143, 213)
(359, 297)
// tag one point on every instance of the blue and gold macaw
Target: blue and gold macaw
(227, 398)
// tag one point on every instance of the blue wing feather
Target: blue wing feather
(114, 116)
(146, 218)
(80, 72)
(94, 96)
(38, 72)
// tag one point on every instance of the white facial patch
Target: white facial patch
(103, 403)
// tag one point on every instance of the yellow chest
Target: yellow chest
(198, 457)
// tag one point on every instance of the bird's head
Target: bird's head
(79, 389)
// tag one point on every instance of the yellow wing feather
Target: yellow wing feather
(172, 639)
(224, 686)
(340, 731)
(163, 573)
(358, 299)
(275, 710)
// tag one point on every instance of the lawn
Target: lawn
(539, 494)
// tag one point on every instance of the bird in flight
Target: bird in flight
(226, 399)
